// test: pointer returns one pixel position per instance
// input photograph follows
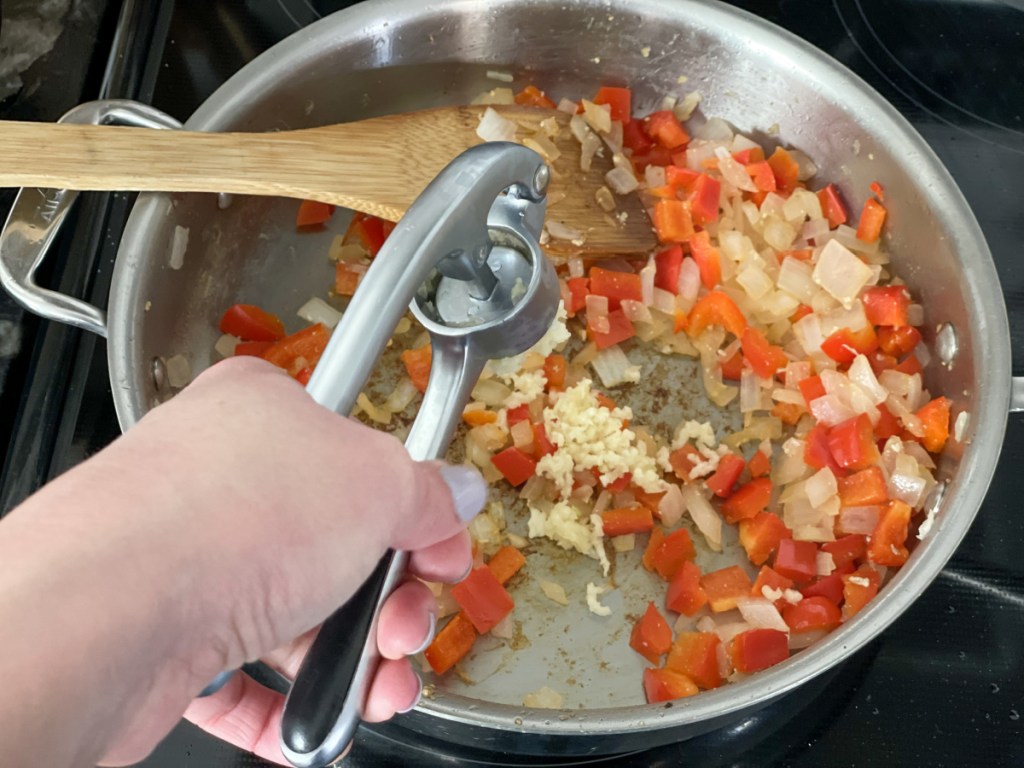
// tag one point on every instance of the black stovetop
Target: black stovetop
(944, 686)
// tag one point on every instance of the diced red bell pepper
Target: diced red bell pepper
(668, 264)
(620, 101)
(515, 465)
(300, 350)
(749, 155)
(664, 128)
(899, 341)
(732, 369)
(695, 654)
(683, 460)
(514, 415)
(554, 371)
(934, 418)
(786, 171)
(844, 345)
(619, 522)
(763, 357)
(760, 536)
(812, 613)
(832, 206)
(620, 328)
(655, 155)
(680, 178)
(811, 388)
(758, 649)
(886, 305)
(888, 425)
(304, 375)
(453, 642)
(672, 221)
(829, 587)
(541, 445)
(859, 588)
(666, 685)
(909, 366)
(769, 577)
(888, 541)
(312, 213)
(665, 555)
(759, 464)
(417, 365)
(716, 308)
(748, 500)
(615, 286)
(371, 231)
(651, 636)
(650, 500)
(846, 551)
(725, 586)
(250, 323)
(252, 348)
(872, 217)
(482, 598)
(578, 287)
(797, 560)
(762, 175)
(708, 260)
(877, 190)
(634, 137)
(685, 593)
(532, 96)
(724, 479)
(347, 278)
(505, 563)
(789, 413)
(704, 196)
(863, 489)
(817, 453)
(852, 443)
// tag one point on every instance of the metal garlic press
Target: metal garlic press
(466, 258)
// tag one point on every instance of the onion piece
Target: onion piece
(554, 591)
(494, 127)
(636, 311)
(561, 231)
(598, 116)
(614, 368)
(801, 640)
(820, 487)
(733, 172)
(671, 506)
(704, 516)
(544, 698)
(621, 181)
(401, 396)
(830, 410)
(862, 520)
(316, 310)
(760, 613)
(689, 279)
(225, 346)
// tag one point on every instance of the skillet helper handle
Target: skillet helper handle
(329, 694)
(38, 214)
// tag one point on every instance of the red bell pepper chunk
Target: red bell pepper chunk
(934, 418)
(505, 563)
(304, 375)
(909, 366)
(666, 685)
(554, 371)
(724, 479)
(732, 369)
(250, 323)
(664, 128)
(634, 137)
(453, 642)
(516, 466)
(872, 217)
(844, 345)
(300, 350)
(852, 443)
(655, 155)
(797, 560)
(811, 388)
(812, 613)
(620, 328)
(514, 415)
(417, 365)
(878, 190)
(769, 577)
(857, 593)
(704, 196)
(578, 287)
(683, 460)
(682, 179)
(888, 541)
(371, 231)
(847, 550)
(829, 587)
(619, 522)
(759, 464)
(789, 413)
(762, 175)
(312, 213)
(618, 99)
(832, 206)
(863, 489)
(749, 155)
(716, 308)
(817, 453)
(616, 286)
(748, 500)
(886, 305)
(541, 445)
(347, 278)
(668, 263)
(899, 341)
(685, 593)
(482, 598)
(725, 586)
(665, 555)
(651, 636)
(758, 649)
(532, 96)
(708, 259)
(888, 425)
(695, 654)
(672, 221)
(760, 536)
(252, 348)
(786, 171)
(763, 357)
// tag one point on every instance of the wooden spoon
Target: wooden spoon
(378, 166)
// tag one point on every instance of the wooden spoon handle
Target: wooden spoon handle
(333, 165)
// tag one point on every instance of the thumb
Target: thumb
(439, 502)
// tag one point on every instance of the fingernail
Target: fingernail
(468, 488)
(464, 576)
(430, 635)
(419, 695)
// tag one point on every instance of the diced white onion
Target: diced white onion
(795, 278)
(654, 176)
(316, 310)
(576, 267)
(376, 415)
(225, 346)
(671, 506)
(568, 106)
(543, 698)
(491, 392)
(401, 396)
(760, 613)
(825, 563)
(830, 410)
(494, 127)
(614, 368)
(799, 640)
(915, 315)
(750, 392)
(862, 520)
(561, 231)
(689, 279)
(840, 272)
(598, 116)
(704, 516)
(179, 371)
(636, 311)
(820, 487)
(860, 373)
(726, 632)
(733, 172)
(621, 181)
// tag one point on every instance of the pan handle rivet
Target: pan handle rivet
(158, 370)
(541, 179)
(947, 347)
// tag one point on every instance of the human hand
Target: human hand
(242, 514)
